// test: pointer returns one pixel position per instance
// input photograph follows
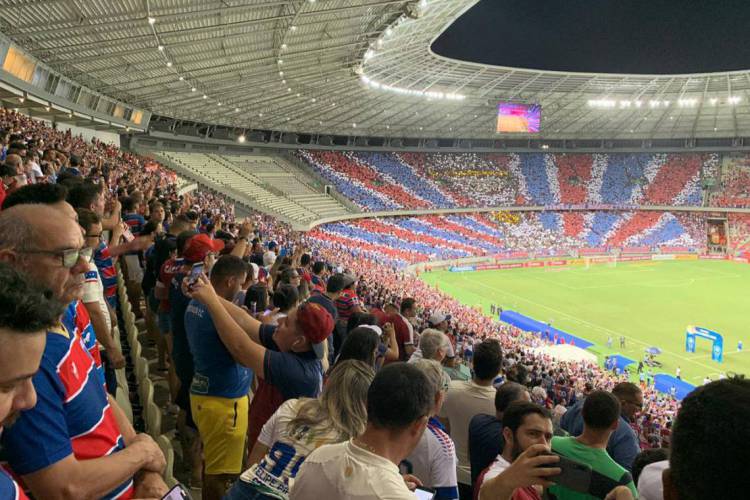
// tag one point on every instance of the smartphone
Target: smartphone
(422, 493)
(128, 235)
(177, 493)
(195, 272)
(575, 475)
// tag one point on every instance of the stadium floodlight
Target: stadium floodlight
(388, 31)
(205, 96)
(354, 125)
(181, 78)
(151, 20)
(369, 55)
(283, 46)
(161, 48)
(713, 100)
(281, 73)
(169, 64)
(734, 100)
(241, 138)
(293, 27)
(193, 89)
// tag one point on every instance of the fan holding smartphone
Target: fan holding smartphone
(525, 464)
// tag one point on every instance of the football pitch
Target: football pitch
(650, 303)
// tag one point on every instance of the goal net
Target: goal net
(603, 260)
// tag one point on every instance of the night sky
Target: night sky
(610, 36)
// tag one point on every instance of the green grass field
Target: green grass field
(650, 303)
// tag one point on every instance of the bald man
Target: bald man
(76, 442)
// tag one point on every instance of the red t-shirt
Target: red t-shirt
(403, 334)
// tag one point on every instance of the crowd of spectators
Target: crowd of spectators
(317, 332)
(734, 189)
(399, 241)
(444, 180)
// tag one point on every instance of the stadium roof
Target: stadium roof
(349, 67)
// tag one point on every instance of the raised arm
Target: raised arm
(238, 342)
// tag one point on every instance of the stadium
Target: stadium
(590, 225)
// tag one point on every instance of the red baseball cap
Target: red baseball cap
(316, 324)
(199, 246)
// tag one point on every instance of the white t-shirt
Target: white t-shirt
(649, 483)
(286, 453)
(464, 400)
(93, 291)
(345, 471)
(496, 468)
(434, 461)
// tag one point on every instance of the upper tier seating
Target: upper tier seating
(260, 181)
(389, 181)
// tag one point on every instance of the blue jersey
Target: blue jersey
(216, 371)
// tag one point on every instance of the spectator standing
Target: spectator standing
(402, 319)
(347, 304)
(327, 298)
(467, 399)
(486, 440)
(709, 454)
(623, 444)
(26, 313)
(399, 402)
(219, 390)
(76, 437)
(433, 460)
(527, 431)
(285, 358)
(300, 426)
(433, 344)
(601, 415)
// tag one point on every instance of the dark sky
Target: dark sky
(611, 36)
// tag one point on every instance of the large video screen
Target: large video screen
(518, 118)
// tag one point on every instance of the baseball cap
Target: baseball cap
(199, 246)
(316, 324)
(438, 318)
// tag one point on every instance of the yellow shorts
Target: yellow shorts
(222, 425)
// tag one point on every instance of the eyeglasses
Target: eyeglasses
(68, 258)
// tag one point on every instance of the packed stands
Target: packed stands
(399, 241)
(373, 250)
(445, 180)
(735, 183)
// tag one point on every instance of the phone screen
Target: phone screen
(176, 493)
(128, 235)
(196, 271)
(422, 493)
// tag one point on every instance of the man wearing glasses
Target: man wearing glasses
(623, 444)
(76, 442)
